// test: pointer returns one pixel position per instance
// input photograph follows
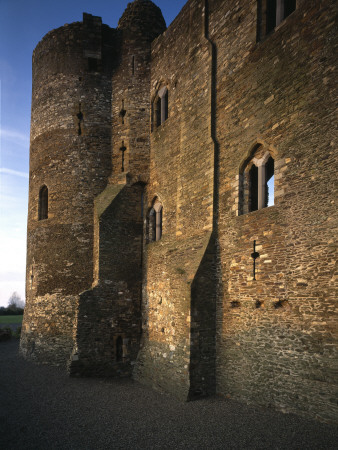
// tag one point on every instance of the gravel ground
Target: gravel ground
(42, 408)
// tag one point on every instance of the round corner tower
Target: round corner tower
(79, 206)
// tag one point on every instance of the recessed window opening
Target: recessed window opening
(43, 203)
(270, 183)
(158, 112)
(155, 218)
(133, 65)
(253, 188)
(271, 13)
(256, 188)
(119, 348)
(92, 64)
(161, 107)
(165, 109)
(289, 7)
(271, 9)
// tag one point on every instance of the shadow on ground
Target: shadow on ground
(42, 408)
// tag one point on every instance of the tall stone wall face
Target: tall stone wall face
(234, 302)
(109, 316)
(181, 177)
(140, 24)
(70, 154)
(276, 334)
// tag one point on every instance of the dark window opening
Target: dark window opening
(122, 149)
(92, 64)
(119, 349)
(43, 203)
(160, 109)
(79, 116)
(270, 15)
(133, 65)
(158, 112)
(165, 106)
(289, 7)
(122, 112)
(253, 188)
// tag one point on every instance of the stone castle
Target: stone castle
(182, 201)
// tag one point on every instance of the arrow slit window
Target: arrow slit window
(43, 203)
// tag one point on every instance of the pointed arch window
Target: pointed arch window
(43, 203)
(257, 181)
(155, 217)
(160, 107)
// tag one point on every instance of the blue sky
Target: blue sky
(23, 23)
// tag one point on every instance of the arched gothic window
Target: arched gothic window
(160, 107)
(43, 203)
(155, 221)
(257, 181)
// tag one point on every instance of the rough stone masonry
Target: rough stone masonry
(182, 219)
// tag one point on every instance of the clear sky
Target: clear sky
(22, 25)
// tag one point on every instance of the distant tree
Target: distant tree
(15, 303)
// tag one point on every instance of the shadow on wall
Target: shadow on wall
(203, 325)
(109, 317)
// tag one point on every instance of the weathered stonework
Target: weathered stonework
(199, 295)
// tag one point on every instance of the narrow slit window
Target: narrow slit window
(165, 108)
(133, 65)
(119, 348)
(43, 203)
(155, 218)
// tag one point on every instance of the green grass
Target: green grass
(10, 319)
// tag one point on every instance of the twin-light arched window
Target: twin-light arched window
(256, 179)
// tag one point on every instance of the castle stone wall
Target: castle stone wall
(275, 335)
(235, 298)
(70, 154)
(109, 317)
(182, 178)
